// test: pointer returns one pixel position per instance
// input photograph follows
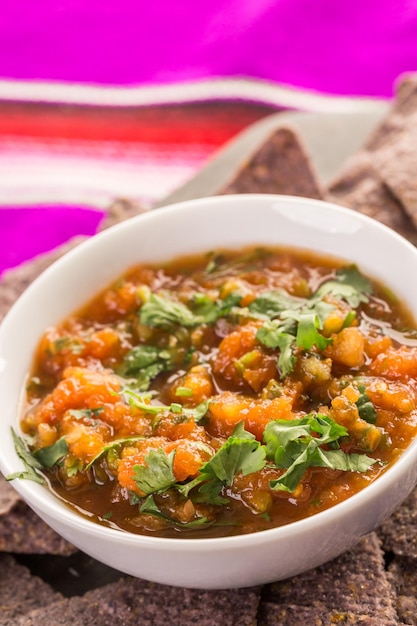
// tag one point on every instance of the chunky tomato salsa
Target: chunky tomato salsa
(220, 394)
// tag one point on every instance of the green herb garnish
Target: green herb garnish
(145, 363)
(67, 343)
(139, 401)
(88, 414)
(241, 453)
(296, 322)
(114, 445)
(307, 332)
(157, 474)
(296, 445)
(53, 454)
(32, 465)
(163, 311)
(350, 285)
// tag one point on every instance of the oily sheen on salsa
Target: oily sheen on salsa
(224, 393)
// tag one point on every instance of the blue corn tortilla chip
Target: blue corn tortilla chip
(130, 602)
(280, 165)
(353, 584)
(20, 592)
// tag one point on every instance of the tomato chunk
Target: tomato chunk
(227, 410)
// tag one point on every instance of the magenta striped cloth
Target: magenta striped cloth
(356, 48)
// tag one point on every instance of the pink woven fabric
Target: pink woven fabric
(347, 48)
(26, 233)
(356, 47)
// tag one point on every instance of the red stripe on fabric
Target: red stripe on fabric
(211, 124)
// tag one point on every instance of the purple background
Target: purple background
(334, 46)
(52, 226)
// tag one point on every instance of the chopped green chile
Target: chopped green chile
(221, 394)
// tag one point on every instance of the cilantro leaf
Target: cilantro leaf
(314, 456)
(351, 275)
(240, 432)
(307, 333)
(272, 303)
(53, 454)
(143, 356)
(198, 412)
(286, 359)
(139, 401)
(273, 335)
(86, 413)
(350, 286)
(157, 474)
(298, 325)
(70, 344)
(270, 333)
(73, 466)
(145, 363)
(241, 453)
(113, 445)
(284, 438)
(296, 445)
(163, 311)
(209, 310)
(339, 460)
(299, 328)
(237, 455)
(31, 464)
(289, 317)
(322, 309)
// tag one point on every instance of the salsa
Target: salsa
(223, 393)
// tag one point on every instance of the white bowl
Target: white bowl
(189, 227)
